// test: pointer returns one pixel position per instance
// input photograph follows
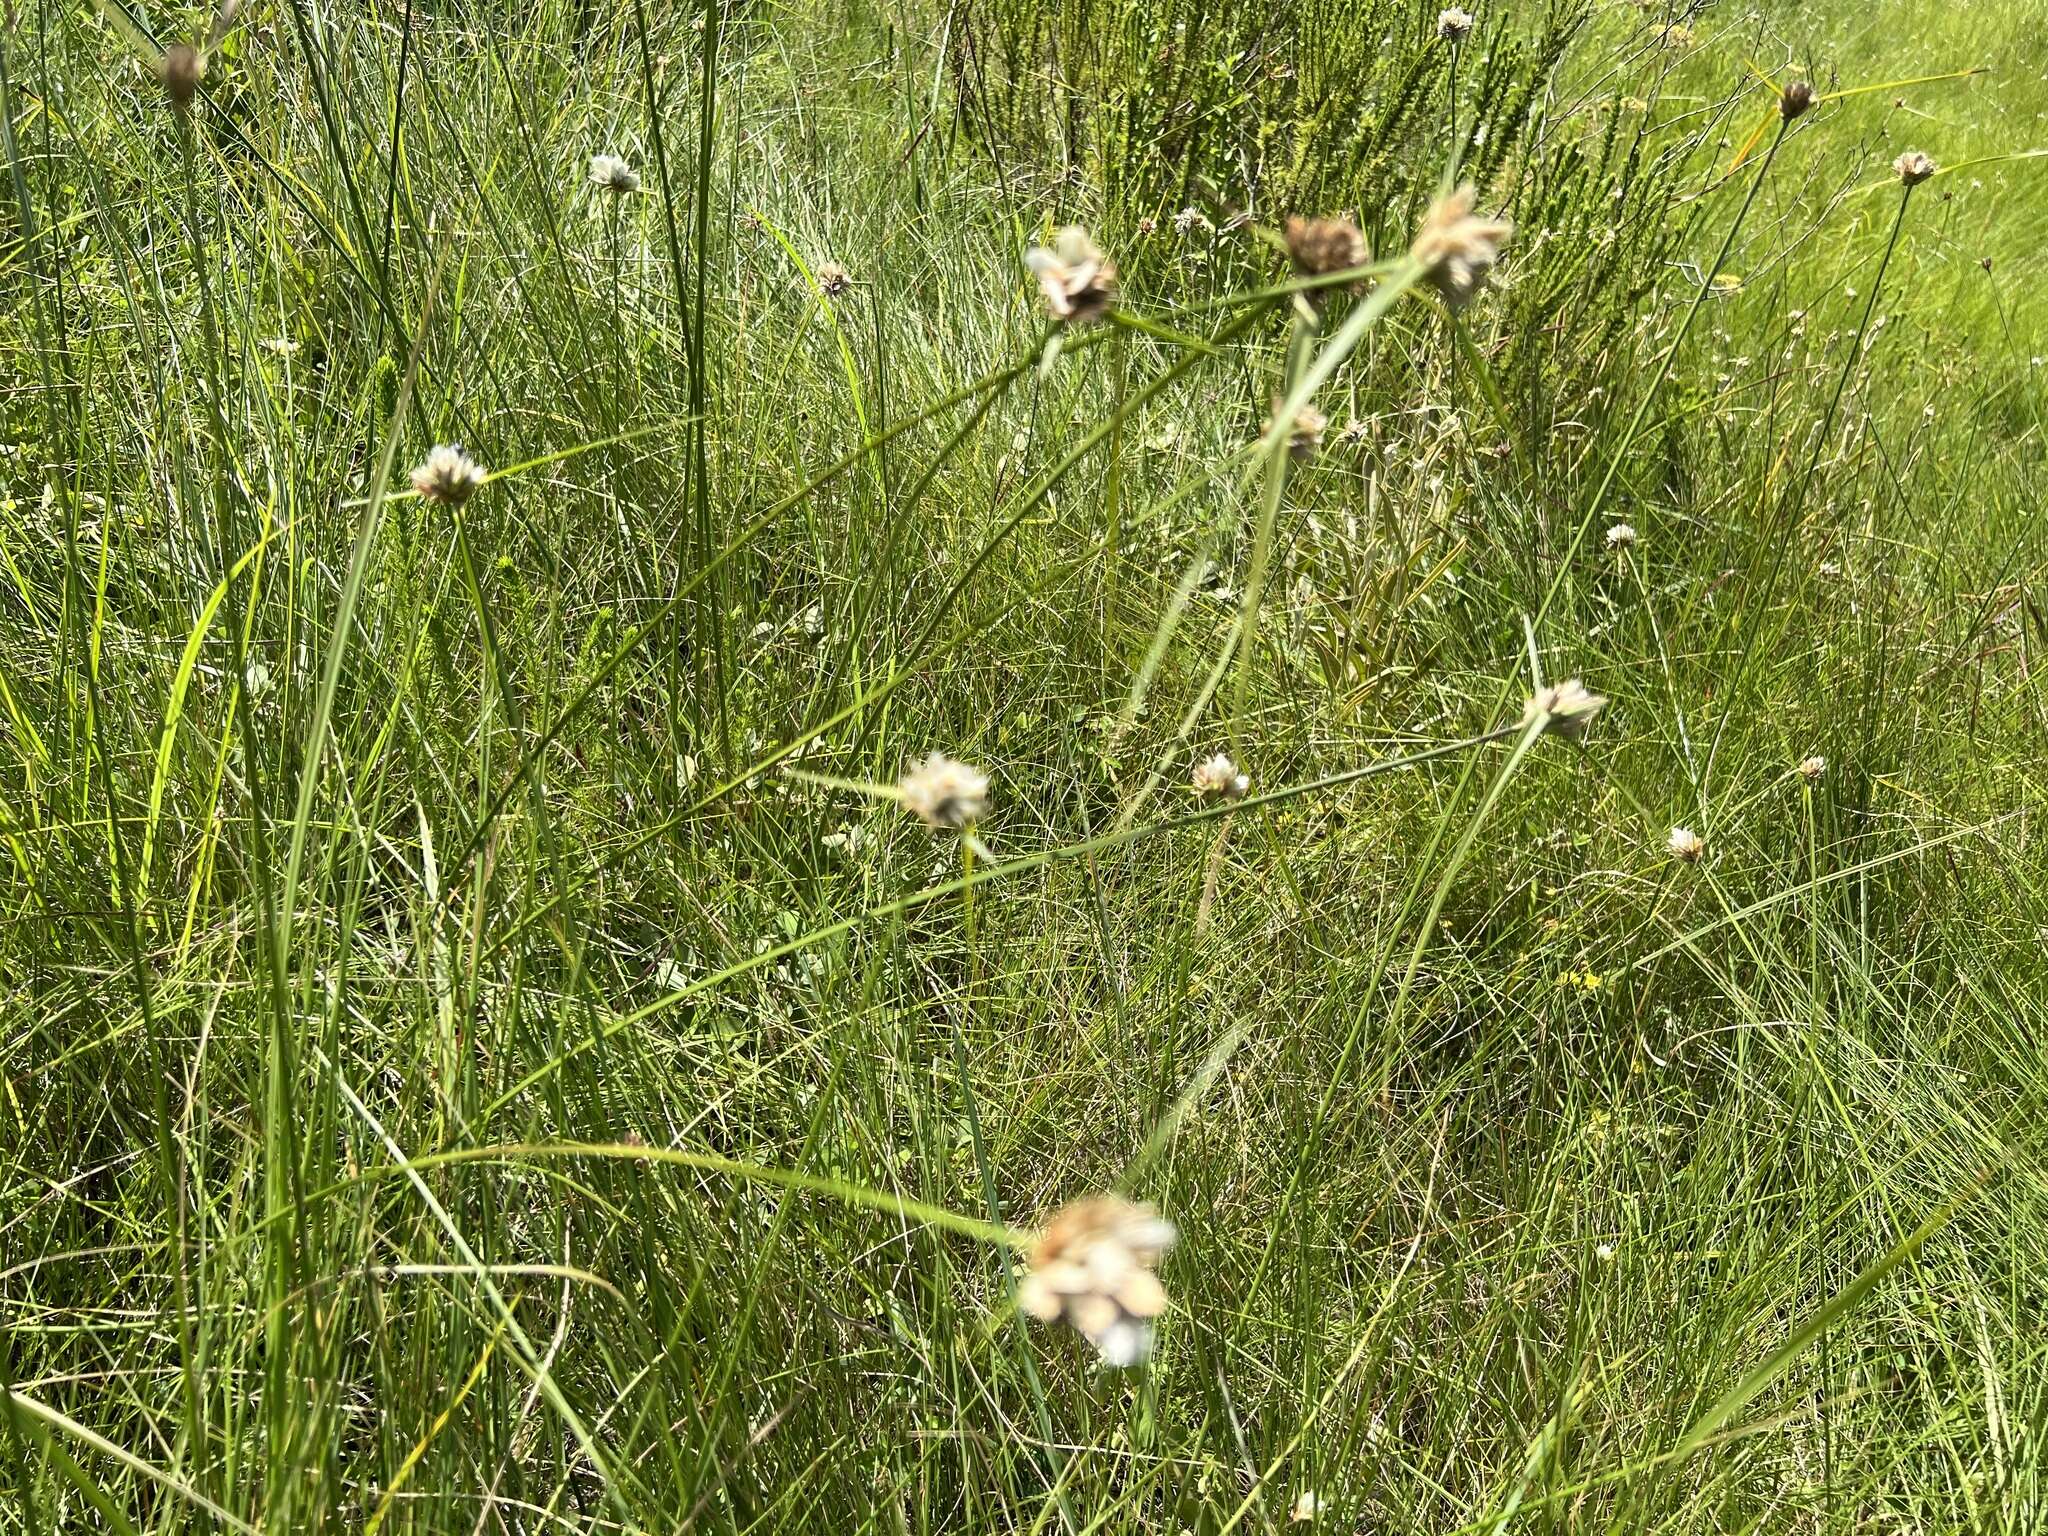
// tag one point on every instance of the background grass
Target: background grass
(457, 1077)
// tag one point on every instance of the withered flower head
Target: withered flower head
(833, 279)
(1456, 247)
(1305, 432)
(943, 793)
(184, 66)
(1566, 708)
(613, 175)
(1795, 99)
(1812, 768)
(1685, 845)
(1217, 778)
(1319, 247)
(449, 476)
(1078, 281)
(1094, 1265)
(1914, 167)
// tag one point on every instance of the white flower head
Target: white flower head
(1095, 1266)
(1685, 845)
(943, 793)
(833, 278)
(1077, 280)
(449, 476)
(613, 175)
(1306, 1507)
(1566, 708)
(1458, 248)
(1453, 23)
(1217, 778)
(1811, 769)
(1621, 536)
(1914, 167)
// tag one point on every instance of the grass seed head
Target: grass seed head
(449, 476)
(1456, 247)
(1217, 778)
(941, 792)
(1453, 23)
(1077, 280)
(613, 174)
(1685, 845)
(1915, 166)
(1095, 1266)
(1567, 708)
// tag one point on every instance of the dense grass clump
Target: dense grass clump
(1021, 767)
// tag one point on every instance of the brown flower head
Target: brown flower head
(1566, 707)
(1795, 99)
(1915, 166)
(184, 66)
(1094, 1265)
(833, 279)
(1685, 845)
(1812, 768)
(1319, 247)
(449, 476)
(943, 793)
(1078, 281)
(1457, 247)
(1305, 432)
(1453, 24)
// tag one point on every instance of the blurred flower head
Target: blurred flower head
(1217, 778)
(1305, 432)
(1621, 536)
(613, 175)
(1811, 769)
(833, 279)
(1452, 24)
(1795, 99)
(1077, 280)
(1566, 708)
(1319, 247)
(1456, 247)
(1685, 845)
(1914, 167)
(449, 476)
(1095, 1266)
(183, 67)
(943, 793)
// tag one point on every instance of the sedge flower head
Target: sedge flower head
(1452, 24)
(183, 67)
(1685, 845)
(613, 175)
(1095, 1266)
(943, 793)
(1318, 247)
(833, 279)
(1458, 248)
(1811, 769)
(1915, 166)
(1077, 280)
(1566, 708)
(1305, 432)
(1795, 99)
(1217, 778)
(1621, 536)
(449, 476)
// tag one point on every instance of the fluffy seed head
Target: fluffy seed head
(1453, 24)
(1812, 768)
(1685, 845)
(1077, 280)
(1319, 247)
(833, 279)
(1915, 166)
(1095, 1266)
(1795, 99)
(184, 67)
(943, 793)
(449, 476)
(1217, 778)
(1456, 247)
(1621, 536)
(613, 175)
(1566, 708)
(1305, 432)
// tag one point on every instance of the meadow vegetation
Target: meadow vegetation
(506, 1027)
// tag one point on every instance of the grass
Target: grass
(482, 1048)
